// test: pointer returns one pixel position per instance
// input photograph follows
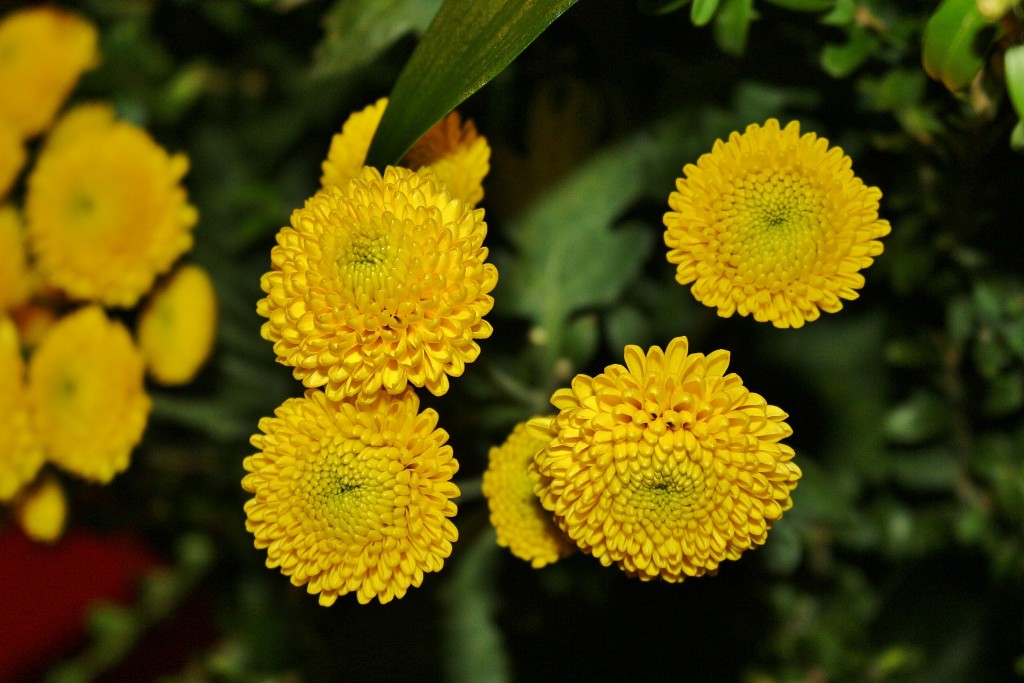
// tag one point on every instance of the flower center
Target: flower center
(342, 488)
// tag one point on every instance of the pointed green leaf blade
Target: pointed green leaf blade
(468, 43)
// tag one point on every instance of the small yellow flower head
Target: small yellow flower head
(21, 455)
(774, 225)
(12, 156)
(178, 325)
(455, 152)
(379, 283)
(105, 208)
(523, 526)
(43, 51)
(86, 388)
(42, 511)
(15, 278)
(352, 499)
(667, 466)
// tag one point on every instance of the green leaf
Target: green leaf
(702, 11)
(1005, 394)
(1017, 137)
(660, 6)
(926, 469)
(468, 43)
(732, 23)
(804, 5)
(1014, 62)
(953, 49)
(918, 419)
(357, 31)
(840, 61)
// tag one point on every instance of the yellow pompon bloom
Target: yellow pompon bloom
(523, 526)
(15, 278)
(451, 149)
(352, 499)
(21, 455)
(12, 156)
(86, 388)
(379, 283)
(667, 466)
(42, 511)
(178, 325)
(105, 208)
(43, 51)
(774, 225)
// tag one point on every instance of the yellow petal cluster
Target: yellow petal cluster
(87, 394)
(379, 283)
(105, 209)
(352, 499)
(177, 326)
(43, 52)
(21, 454)
(15, 281)
(773, 224)
(522, 524)
(666, 466)
(12, 156)
(452, 150)
(42, 511)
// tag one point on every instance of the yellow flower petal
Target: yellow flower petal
(12, 156)
(42, 511)
(15, 280)
(21, 454)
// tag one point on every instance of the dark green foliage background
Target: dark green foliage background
(902, 557)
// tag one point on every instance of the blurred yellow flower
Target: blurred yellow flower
(378, 284)
(42, 510)
(352, 499)
(774, 225)
(12, 157)
(667, 466)
(15, 279)
(105, 208)
(178, 325)
(86, 389)
(21, 455)
(43, 51)
(451, 149)
(522, 523)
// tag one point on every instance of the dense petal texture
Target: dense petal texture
(352, 499)
(21, 454)
(666, 466)
(522, 523)
(86, 389)
(105, 209)
(379, 283)
(774, 225)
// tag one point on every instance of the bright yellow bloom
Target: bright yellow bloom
(523, 526)
(15, 279)
(42, 511)
(43, 51)
(12, 156)
(452, 150)
(178, 325)
(379, 283)
(105, 208)
(667, 466)
(86, 388)
(21, 455)
(773, 224)
(352, 499)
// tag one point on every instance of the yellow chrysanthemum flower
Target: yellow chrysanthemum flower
(105, 209)
(12, 156)
(667, 466)
(15, 279)
(523, 526)
(451, 149)
(42, 511)
(773, 224)
(21, 455)
(43, 51)
(86, 388)
(352, 499)
(379, 283)
(178, 325)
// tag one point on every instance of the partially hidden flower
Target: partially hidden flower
(379, 283)
(12, 157)
(43, 52)
(666, 466)
(105, 208)
(178, 325)
(352, 499)
(42, 510)
(87, 394)
(452, 150)
(21, 454)
(774, 225)
(522, 524)
(15, 276)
